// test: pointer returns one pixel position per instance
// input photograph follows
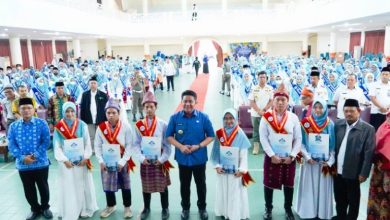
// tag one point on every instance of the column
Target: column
(16, 50)
(264, 46)
(30, 53)
(332, 45)
(146, 50)
(387, 43)
(362, 39)
(265, 4)
(305, 43)
(108, 48)
(145, 7)
(76, 48)
(53, 48)
(225, 48)
(185, 47)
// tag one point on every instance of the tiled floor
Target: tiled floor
(13, 205)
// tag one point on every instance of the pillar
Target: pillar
(76, 48)
(387, 43)
(146, 50)
(363, 39)
(108, 48)
(53, 48)
(305, 43)
(30, 53)
(264, 46)
(332, 45)
(16, 50)
(145, 8)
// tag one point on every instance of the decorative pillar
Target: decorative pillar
(76, 48)
(16, 50)
(30, 53)
(332, 45)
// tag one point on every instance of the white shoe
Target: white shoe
(127, 213)
(107, 211)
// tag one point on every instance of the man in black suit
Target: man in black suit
(92, 106)
(355, 145)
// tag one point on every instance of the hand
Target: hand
(157, 163)
(275, 159)
(103, 167)
(238, 174)
(145, 162)
(311, 161)
(383, 110)
(220, 170)
(29, 159)
(194, 148)
(185, 149)
(260, 112)
(68, 164)
(82, 163)
(120, 167)
(287, 160)
(362, 179)
(324, 164)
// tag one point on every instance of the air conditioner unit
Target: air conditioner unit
(357, 52)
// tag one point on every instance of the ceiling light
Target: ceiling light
(3, 35)
(6, 29)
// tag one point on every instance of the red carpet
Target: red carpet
(200, 86)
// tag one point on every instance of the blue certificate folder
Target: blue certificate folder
(151, 148)
(111, 156)
(318, 146)
(229, 159)
(74, 150)
(281, 144)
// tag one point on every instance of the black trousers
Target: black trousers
(347, 197)
(288, 197)
(170, 82)
(126, 196)
(377, 120)
(185, 175)
(196, 71)
(32, 179)
(163, 197)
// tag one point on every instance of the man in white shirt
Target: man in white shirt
(355, 145)
(380, 98)
(7, 105)
(260, 100)
(169, 71)
(319, 91)
(347, 92)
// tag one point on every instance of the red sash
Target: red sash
(124, 95)
(227, 142)
(111, 137)
(273, 121)
(70, 133)
(143, 128)
(310, 125)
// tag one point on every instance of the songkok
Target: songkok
(351, 103)
(112, 104)
(25, 101)
(385, 69)
(59, 83)
(149, 97)
(93, 78)
(307, 92)
(315, 72)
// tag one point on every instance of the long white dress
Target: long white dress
(77, 195)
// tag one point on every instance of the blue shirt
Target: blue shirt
(27, 138)
(190, 131)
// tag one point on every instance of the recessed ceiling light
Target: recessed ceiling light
(35, 31)
(3, 35)
(6, 29)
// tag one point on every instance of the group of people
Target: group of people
(334, 157)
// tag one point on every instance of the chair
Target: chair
(244, 120)
(365, 114)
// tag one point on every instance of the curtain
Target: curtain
(374, 42)
(38, 53)
(190, 51)
(48, 51)
(62, 49)
(26, 61)
(5, 50)
(219, 53)
(196, 47)
(354, 41)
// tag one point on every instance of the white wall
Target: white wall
(89, 49)
(323, 41)
(134, 52)
(166, 49)
(342, 42)
(284, 48)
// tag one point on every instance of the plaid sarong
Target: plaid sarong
(113, 181)
(153, 178)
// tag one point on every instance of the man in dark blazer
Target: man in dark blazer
(92, 106)
(355, 145)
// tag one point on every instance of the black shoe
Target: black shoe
(168, 90)
(165, 214)
(289, 215)
(203, 215)
(145, 213)
(142, 117)
(32, 216)
(47, 214)
(267, 214)
(185, 214)
(173, 90)
(221, 92)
